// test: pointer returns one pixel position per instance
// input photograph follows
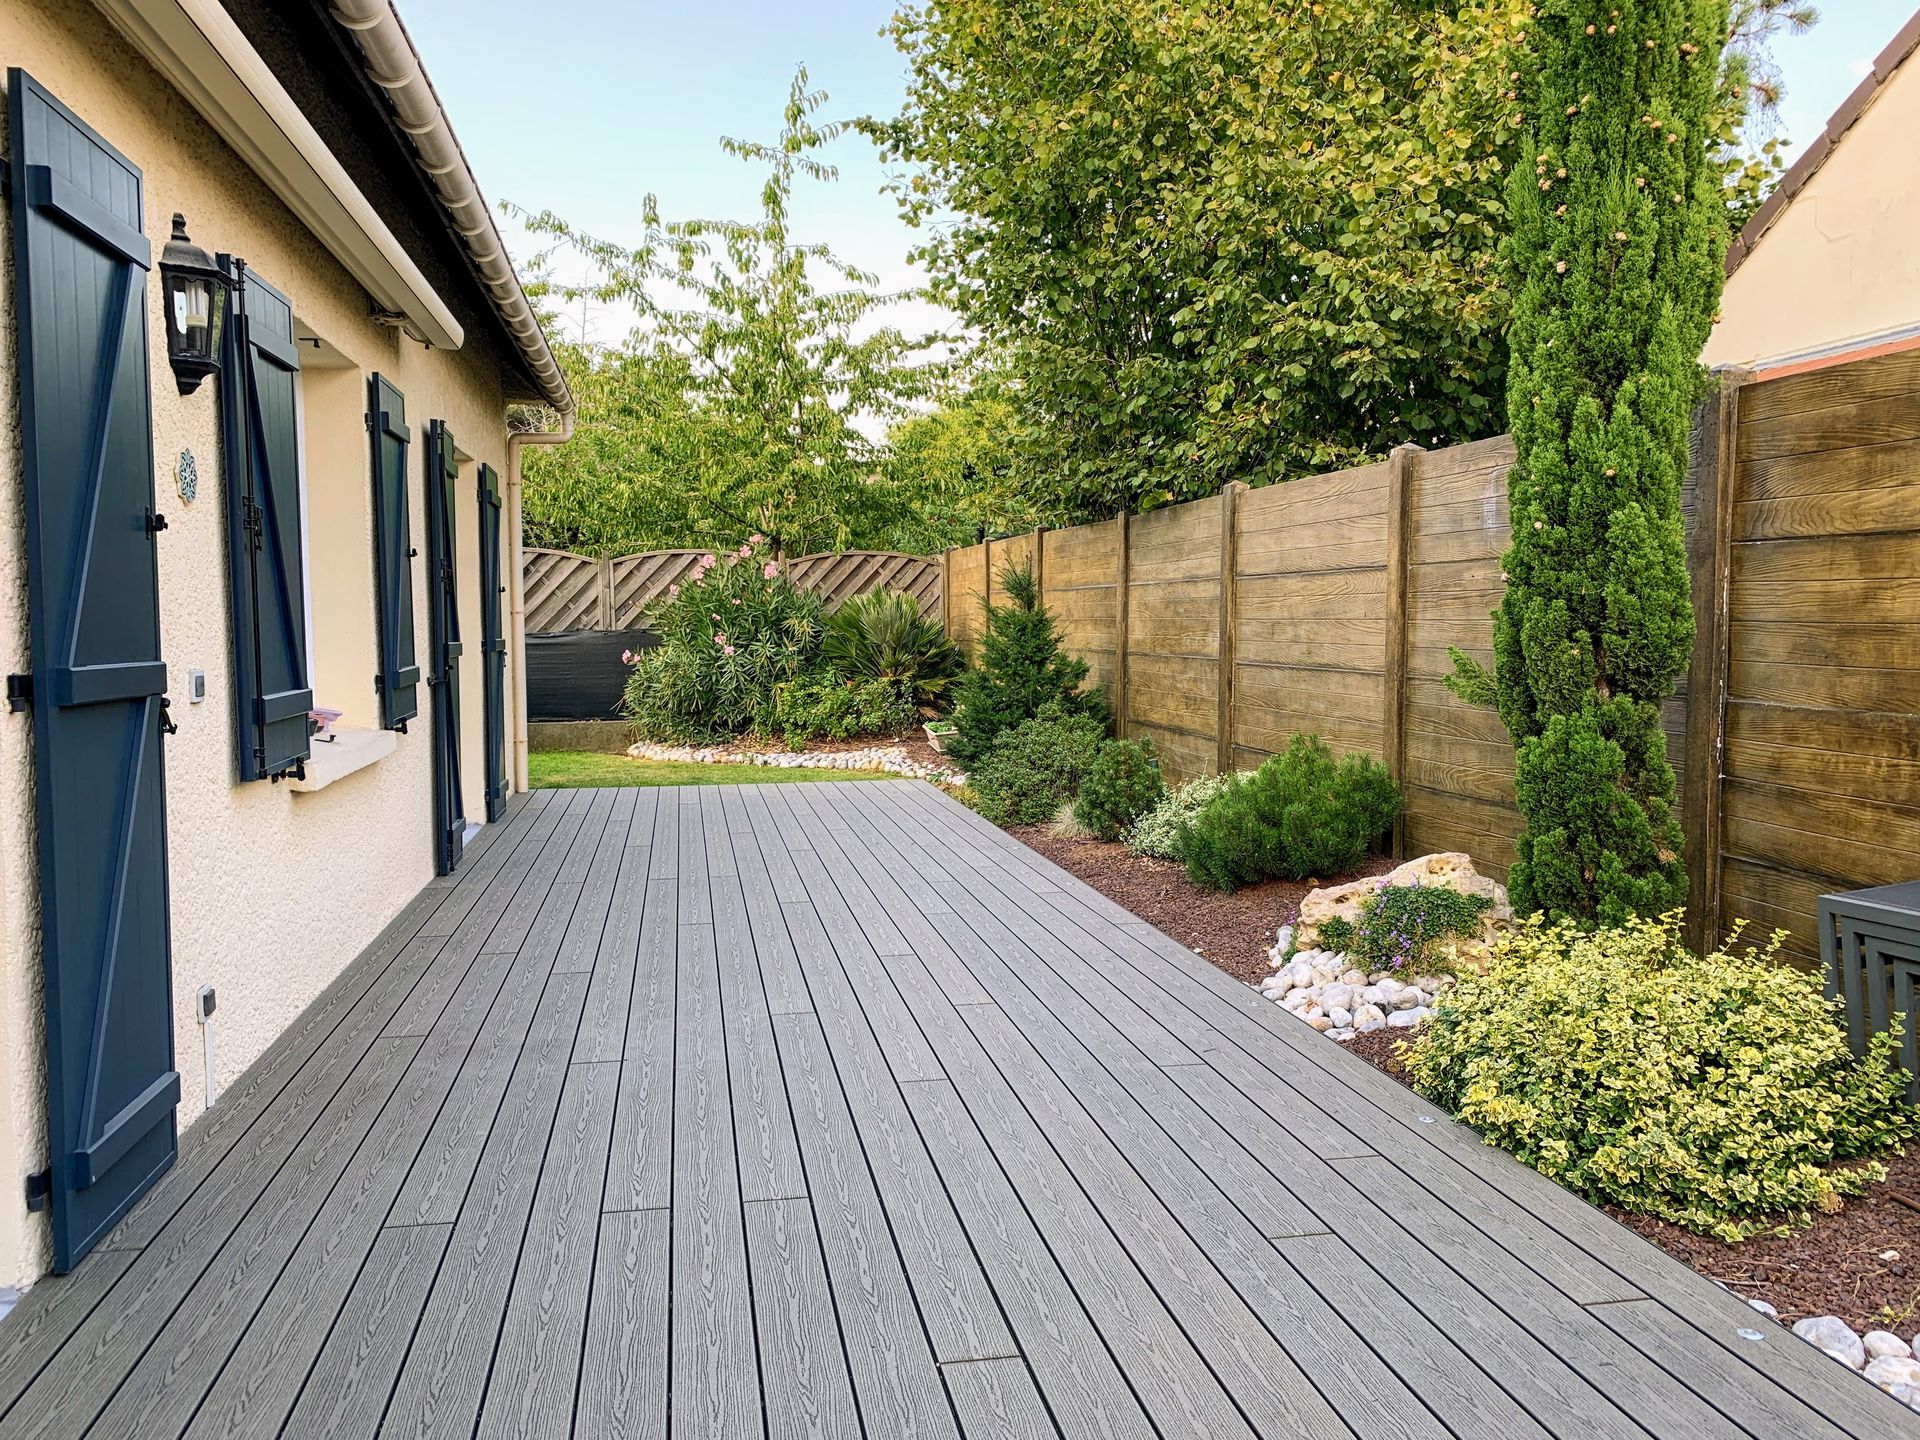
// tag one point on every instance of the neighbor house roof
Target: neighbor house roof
(1802, 171)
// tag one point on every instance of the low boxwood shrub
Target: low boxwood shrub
(1036, 767)
(883, 636)
(1717, 1092)
(731, 635)
(1301, 814)
(822, 706)
(1162, 831)
(1400, 925)
(1122, 784)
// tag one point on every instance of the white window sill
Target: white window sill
(348, 751)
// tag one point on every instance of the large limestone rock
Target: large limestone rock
(1450, 870)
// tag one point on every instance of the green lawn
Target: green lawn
(577, 769)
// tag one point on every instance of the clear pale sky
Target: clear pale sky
(584, 106)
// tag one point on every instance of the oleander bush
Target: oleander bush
(1162, 831)
(1717, 1092)
(1400, 926)
(883, 636)
(731, 636)
(1037, 766)
(1021, 670)
(1123, 784)
(1302, 814)
(823, 706)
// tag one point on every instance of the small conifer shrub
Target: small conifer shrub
(1022, 669)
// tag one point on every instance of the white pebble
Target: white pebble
(1833, 1335)
(1880, 1344)
(1891, 1370)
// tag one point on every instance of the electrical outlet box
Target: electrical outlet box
(204, 1002)
(196, 686)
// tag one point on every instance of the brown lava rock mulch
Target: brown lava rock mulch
(1233, 931)
(1862, 1264)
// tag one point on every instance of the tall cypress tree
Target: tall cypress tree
(1614, 260)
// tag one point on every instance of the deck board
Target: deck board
(830, 1110)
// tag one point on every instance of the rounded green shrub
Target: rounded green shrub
(822, 706)
(731, 635)
(1162, 831)
(1036, 767)
(883, 636)
(1301, 814)
(1122, 785)
(1717, 1092)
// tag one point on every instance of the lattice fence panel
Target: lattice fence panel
(562, 591)
(638, 580)
(837, 577)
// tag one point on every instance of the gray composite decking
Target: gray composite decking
(830, 1110)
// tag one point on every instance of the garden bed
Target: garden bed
(1861, 1263)
(1234, 930)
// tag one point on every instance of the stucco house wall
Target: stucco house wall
(1833, 263)
(273, 891)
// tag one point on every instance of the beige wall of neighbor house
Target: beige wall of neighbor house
(1834, 264)
(273, 891)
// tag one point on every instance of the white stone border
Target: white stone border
(891, 758)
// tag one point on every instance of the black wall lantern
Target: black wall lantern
(195, 295)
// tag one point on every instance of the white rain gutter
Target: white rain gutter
(393, 64)
(204, 55)
(517, 585)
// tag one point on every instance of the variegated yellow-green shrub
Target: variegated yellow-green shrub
(1717, 1092)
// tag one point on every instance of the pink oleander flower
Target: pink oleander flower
(720, 638)
(709, 560)
(756, 539)
(769, 570)
(716, 617)
(736, 599)
(674, 589)
(726, 649)
(745, 551)
(626, 657)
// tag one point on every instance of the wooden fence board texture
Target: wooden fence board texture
(1341, 594)
(577, 592)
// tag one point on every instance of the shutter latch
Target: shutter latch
(19, 692)
(168, 725)
(254, 519)
(39, 1190)
(156, 522)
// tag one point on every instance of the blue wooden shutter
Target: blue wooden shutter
(449, 810)
(493, 645)
(258, 376)
(80, 273)
(399, 679)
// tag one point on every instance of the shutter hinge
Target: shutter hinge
(19, 692)
(39, 1190)
(156, 522)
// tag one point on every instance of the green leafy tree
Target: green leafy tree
(958, 470)
(1216, 240)
(763, 355)
(1619, 230)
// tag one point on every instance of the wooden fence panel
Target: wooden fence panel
(1173, 635)
(576, 592)
(563, 591)
(1079, 569)
(639, 580)
(966, 583)
(1310, 613)
(1821, 766)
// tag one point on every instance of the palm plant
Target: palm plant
(883, 636)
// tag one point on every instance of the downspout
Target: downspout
(517, 585)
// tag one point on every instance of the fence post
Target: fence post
(946, 592)
(606, 592)
(986, 570)
(1229, 554)
(1709, 568)
(1124, 524)
(1393, 674)
(1039, 563)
